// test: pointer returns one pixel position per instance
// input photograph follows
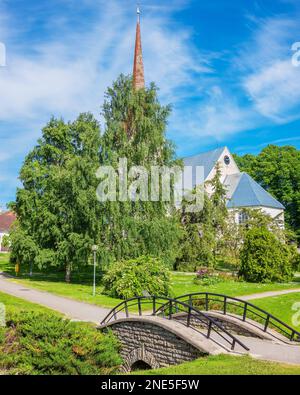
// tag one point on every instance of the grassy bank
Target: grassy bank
(282, 307)
(226, 365)
(17, 305)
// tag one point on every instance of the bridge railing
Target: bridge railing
(167, 308)
(230, 305)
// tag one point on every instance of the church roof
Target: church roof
(6, 220)
(243, 191)
(206, 159)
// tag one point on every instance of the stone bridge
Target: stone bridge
(189, 327)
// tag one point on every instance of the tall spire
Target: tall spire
(138, 68)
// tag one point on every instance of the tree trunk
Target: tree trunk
(68, 273)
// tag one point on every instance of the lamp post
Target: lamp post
(94, 249)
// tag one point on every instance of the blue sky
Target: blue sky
(224, 65)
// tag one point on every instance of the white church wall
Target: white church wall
(226, 169)
(1, 239)
(277, 214)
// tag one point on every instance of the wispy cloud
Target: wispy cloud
(64, 55)
(68, 71)
(271, 80)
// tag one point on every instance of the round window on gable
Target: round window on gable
(227, 160)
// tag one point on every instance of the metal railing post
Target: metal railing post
(225, 305)
(233, 344)
(154, 305)
(267, 323)
(170, 310)
(209, 329)
(292, 336)
(189, 316)
(245, 311)
(206, 301)
(126, 309)
(140, 307)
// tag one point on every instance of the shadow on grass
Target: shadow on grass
(54, 275)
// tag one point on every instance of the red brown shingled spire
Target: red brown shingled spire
(138, 68)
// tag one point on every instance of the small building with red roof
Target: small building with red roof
(6, 220)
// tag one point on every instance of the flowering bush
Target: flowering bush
(127, 279)
(206, 276)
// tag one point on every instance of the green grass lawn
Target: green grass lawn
(226, 365)
(281, 307)
(16, 305)
(183, 284)
(81, 287)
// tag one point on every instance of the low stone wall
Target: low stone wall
(152, 344)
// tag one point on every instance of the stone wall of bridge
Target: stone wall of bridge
(152, 344)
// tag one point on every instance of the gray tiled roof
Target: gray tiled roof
(206, 159)
(243, 191)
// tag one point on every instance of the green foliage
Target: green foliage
(201, 238)
(40, 343)
(264, 258)
(295, 258)
(127, 279)
(56, 207)
(277, 169)
(136, 130)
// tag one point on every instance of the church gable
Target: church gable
(226, 163)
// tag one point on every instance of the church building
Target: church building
(242, 191)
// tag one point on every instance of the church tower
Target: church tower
(138, 67)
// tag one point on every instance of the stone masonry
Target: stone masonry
(152, 344)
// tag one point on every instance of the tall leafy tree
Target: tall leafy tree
(58, 214)
(277, 169)
(136, 130)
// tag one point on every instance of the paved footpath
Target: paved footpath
(80, 310)
(269, 294)
(71, 308)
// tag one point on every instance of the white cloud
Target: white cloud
(275, 91)
(270, 80)
(219, 115)
(71, 75)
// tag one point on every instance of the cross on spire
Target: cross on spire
(138, 67)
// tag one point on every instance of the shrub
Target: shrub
(264, 258)
(207, 276)
(40, 343)
(295, 257)
(127, 279)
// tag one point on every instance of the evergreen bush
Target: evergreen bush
(41, 343)
(264, 258)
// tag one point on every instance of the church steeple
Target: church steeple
(138, 67)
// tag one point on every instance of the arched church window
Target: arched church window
(227, 160)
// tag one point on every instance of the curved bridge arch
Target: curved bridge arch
(159, 331)
(164, 307)
(243, 311)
